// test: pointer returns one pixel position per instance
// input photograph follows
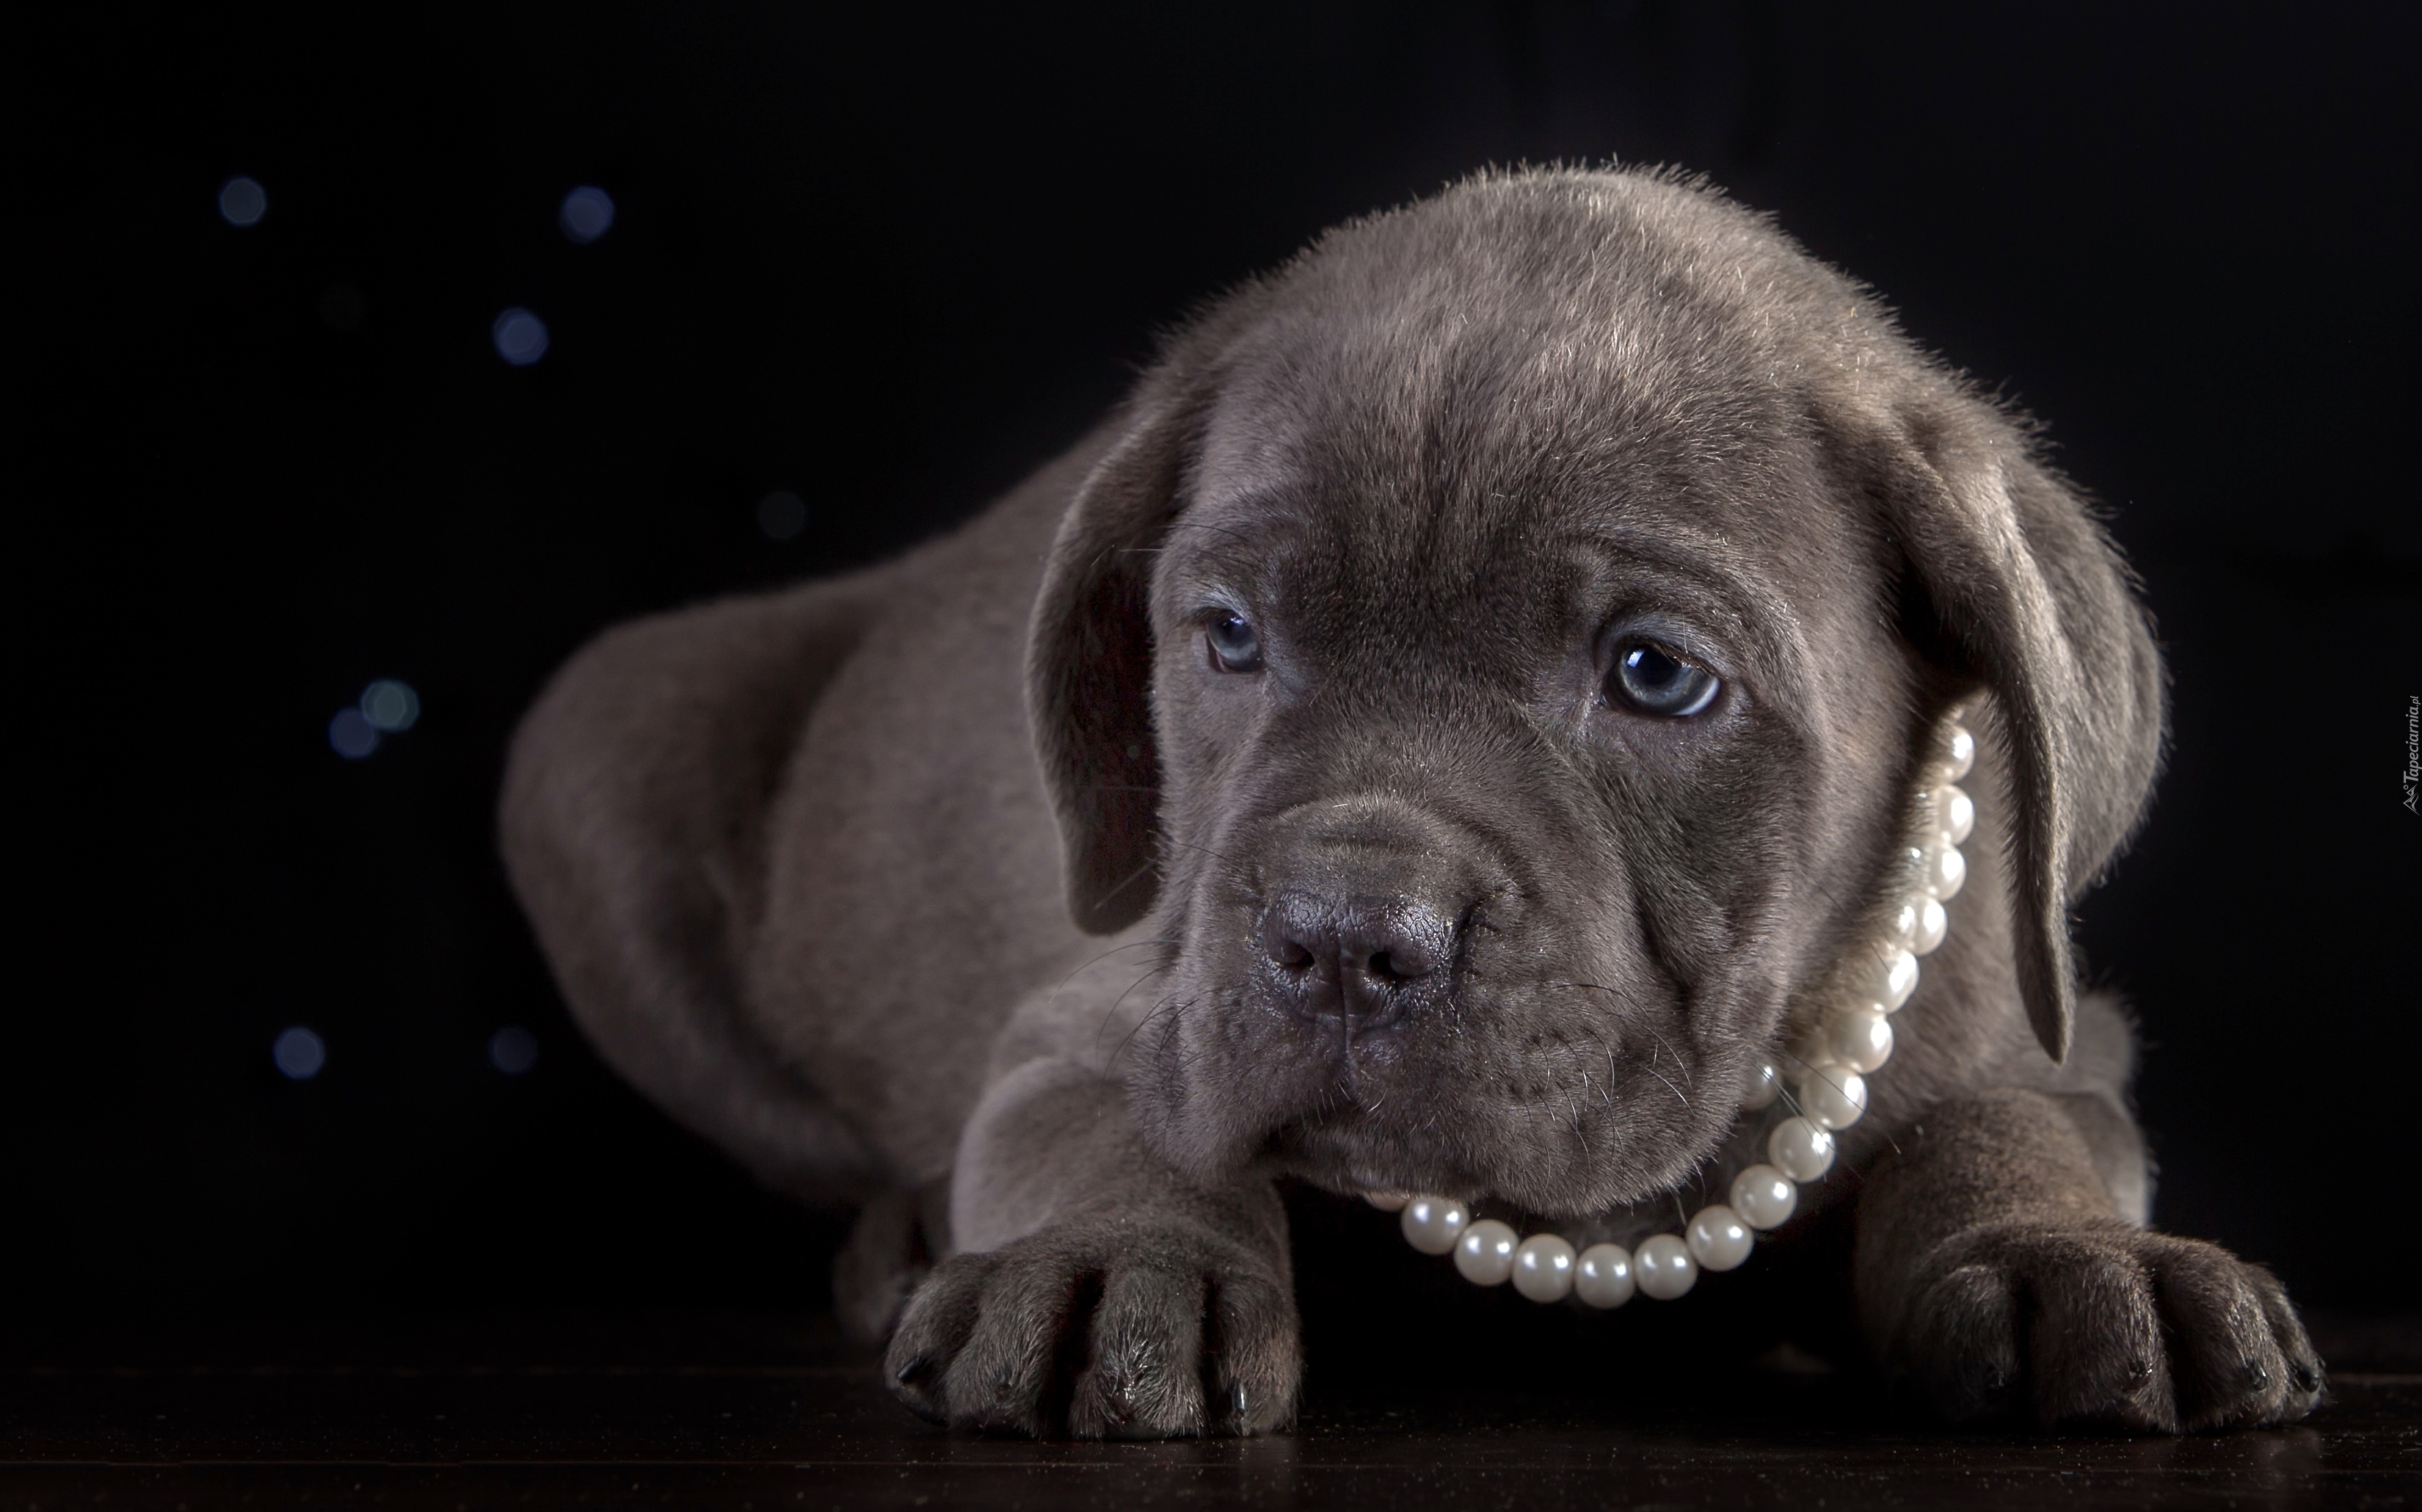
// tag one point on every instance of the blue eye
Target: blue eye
(1655, 681)
(1234, 648)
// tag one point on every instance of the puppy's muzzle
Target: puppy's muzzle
(1367, 899)
(1362, 963)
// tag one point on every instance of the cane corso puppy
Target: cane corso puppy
(1432, 737)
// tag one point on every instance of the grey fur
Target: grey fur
(802, 875)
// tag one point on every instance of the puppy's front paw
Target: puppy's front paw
(1102, 1329)
(2107, 1325)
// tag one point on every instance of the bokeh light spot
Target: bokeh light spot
(242, 201)
(520, 336)
(782, 514)
(513, 1049)
(299, 1053)
(351, 735)
(390, 706)
(587, 213)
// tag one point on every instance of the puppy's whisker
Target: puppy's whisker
(1133, 944)
(1195, 846)
(1097, 960)
(1119, 1002)
(1680, 1064)
(1684, 1067)
(1816, 1070)
(1129, 880)
(1669, 1086)
(1110, 1065)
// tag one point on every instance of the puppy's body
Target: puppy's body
(805, 861)
(1397, 890)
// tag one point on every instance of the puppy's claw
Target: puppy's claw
(933, 1328)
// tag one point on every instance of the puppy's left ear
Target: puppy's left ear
(2027, 594)
(1089, 659)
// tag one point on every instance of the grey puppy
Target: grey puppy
(1293, 781)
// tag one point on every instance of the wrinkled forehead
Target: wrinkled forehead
(1396, 457)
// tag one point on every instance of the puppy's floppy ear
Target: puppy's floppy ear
(1089, 661)
(2027, 594)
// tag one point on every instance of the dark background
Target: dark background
(891, 264)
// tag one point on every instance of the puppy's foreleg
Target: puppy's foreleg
(1098, 1292)
(1994, 1270)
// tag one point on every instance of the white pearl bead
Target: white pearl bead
(1543, 1268)
(1801, 1149)
(1602, 1276)
(1931, 926)
(1901, 927)
(1718, 1239)
(1484, 1254)
(1663, 1268)
(1919, 924)
(1940, 872)
(1432, 1224)
(1764, 1197)
(1954, 815)
(1860, 1038)
(1388, 1202)
(1885, 980)
(1954, 752)
(1765, 1083)
(1832, 1094)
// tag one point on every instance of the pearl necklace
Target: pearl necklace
(1851, 1037)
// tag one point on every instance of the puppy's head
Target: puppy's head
(1496, 656)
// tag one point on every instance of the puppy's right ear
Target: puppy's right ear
(1089, 661)
(2029, 596)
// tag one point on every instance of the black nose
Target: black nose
(1363, 960)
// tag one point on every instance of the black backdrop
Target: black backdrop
(890, 266)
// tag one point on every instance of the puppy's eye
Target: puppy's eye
(1234, 646)
(1655, 681)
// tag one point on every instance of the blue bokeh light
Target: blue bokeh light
(351, 735)
(242, 201)
(587, 213)
(391, 708)
(513, 1049)
(520, 336)
(781, 514)
(299, 1053)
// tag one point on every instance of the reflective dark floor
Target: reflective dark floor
(759, 1412)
